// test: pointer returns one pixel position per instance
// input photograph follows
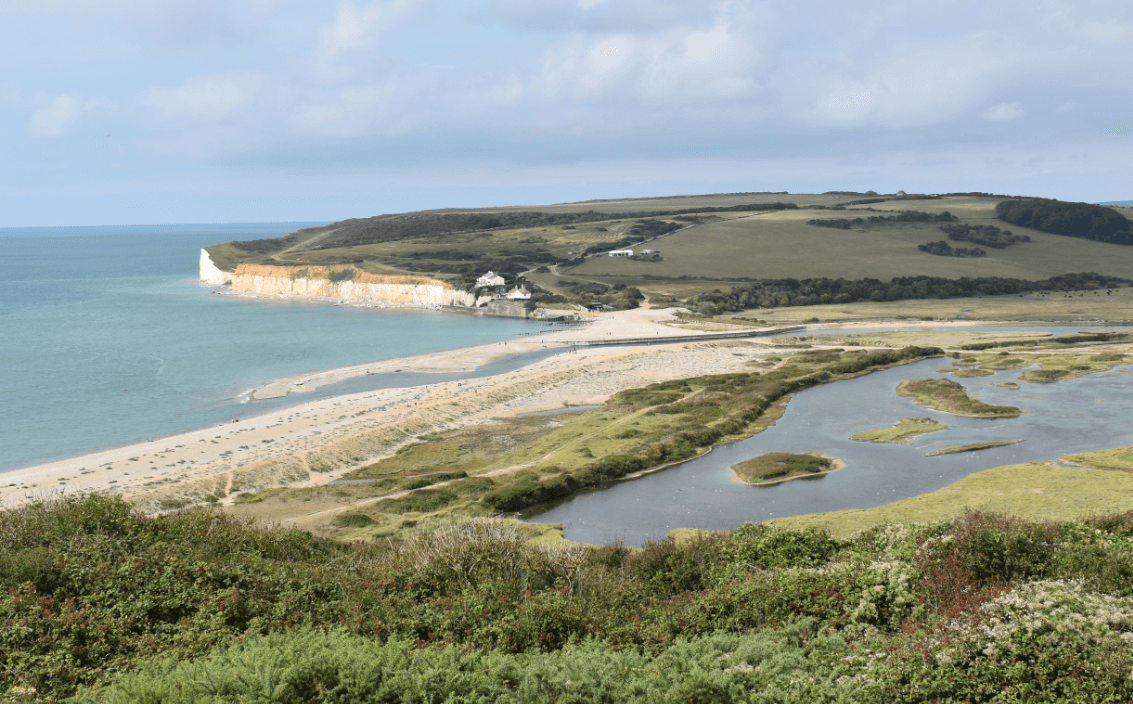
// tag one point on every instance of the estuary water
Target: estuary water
(1079, 415)
(106, 338)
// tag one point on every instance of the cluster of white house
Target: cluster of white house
(492, 284)
(629, 252)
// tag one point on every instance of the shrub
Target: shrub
(352, 520)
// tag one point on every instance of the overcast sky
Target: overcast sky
(164, 111)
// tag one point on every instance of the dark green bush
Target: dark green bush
(352, 520)
(760, 546)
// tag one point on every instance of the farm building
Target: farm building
(621, 253)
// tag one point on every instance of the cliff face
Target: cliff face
(346, 283)
(210, 274)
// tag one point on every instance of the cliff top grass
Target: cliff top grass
(973, 447)
(949, 397)
(775, 467)
(902, 433)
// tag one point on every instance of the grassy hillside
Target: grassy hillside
(781, 245)
(718, 246)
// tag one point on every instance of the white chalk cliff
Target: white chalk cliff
(210, 274)
(345, 283)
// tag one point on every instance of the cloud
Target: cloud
(1004, 112)
(915, 83)
(358, 27)
(354, 110)
(58, 117)
(203, 97)
(694, 63)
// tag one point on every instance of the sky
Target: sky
(197, 111)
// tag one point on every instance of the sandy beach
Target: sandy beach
(317, 442)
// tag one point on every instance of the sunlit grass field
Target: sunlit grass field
(1034, 492)
(1080, 307)
(779, 244)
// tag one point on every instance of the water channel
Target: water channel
(1083, 414)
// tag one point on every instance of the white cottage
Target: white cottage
(492, 281)
(519, 293)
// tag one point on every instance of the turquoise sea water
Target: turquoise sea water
(106, 338)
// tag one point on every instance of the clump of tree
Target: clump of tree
(980, 194)
(903, 216)
(778, 293)
(646, 229)
(983, 235)
(639, 232)
(942, 249)
(618, 296)
(1084, 220)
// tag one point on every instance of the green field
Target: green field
(781, 245)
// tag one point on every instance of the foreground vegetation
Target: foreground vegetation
(197, 606)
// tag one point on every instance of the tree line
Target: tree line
(942, 249)
(1084, 220)
(777, 293)
(983, 235)
(903, 216)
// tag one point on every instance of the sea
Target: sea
(107, 338)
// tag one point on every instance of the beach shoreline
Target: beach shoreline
(316, 442)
